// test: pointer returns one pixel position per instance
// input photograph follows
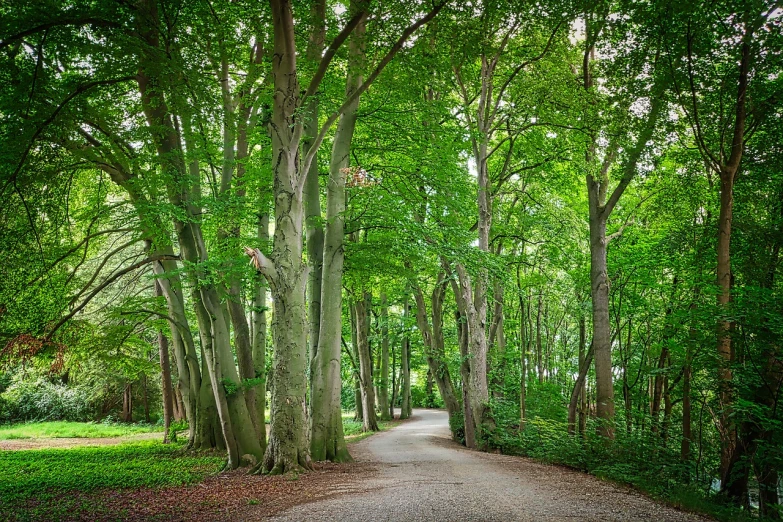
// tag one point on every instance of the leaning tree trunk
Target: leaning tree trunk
(434, 344)
(181, 193)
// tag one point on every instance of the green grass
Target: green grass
(34, 484)
(353, 429)
(60, 429)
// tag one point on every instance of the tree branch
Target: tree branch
(521, 66)
(323, 65)
(103, 285)
(87, 20)
(263, 264)
(369, 81)
(635, 154)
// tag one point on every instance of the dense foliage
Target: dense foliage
(563, 227)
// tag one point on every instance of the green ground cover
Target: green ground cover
(34, 484)
(66, 429)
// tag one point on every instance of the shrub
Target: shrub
(41, 400)
(457, 426)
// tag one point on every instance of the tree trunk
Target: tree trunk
(181, 193)
(394, 394)
(602, 343)
(145, 398)
(522, 360)
(580, 386)
(179, 405)
(165, 373)
(685, 444)
(728, 430)
(465, 368)
(287, 449)
(579, 391)
(478, 389)
(258, 320)
(358, 415)
(497, 340)
(362, 306)
(434, 344)
(539, 349)
(383, 396)
(405, 407)
(327, 441)
(312, 189)
(127, 403)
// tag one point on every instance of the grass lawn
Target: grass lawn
(34, 484)
(61, 429)
(353, 429)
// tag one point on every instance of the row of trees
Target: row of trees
(460, 192)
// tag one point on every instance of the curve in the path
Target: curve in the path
(423, 476)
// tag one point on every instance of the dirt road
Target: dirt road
(423, 476)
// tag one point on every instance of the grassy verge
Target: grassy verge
(56, 483)
(61, 429)
(353, 429)
(34, 485)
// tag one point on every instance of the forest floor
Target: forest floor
(409, 473)
(133, 478)
(72, 442)
(420, 474)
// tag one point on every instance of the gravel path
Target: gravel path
(423, 476)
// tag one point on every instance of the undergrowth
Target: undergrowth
(35, 484)
(642, 460)
(66, 429)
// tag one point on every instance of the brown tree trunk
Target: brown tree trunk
(687, 436)
(358, 414)
(728, 430)
(179, 410)
(145, 398)
(127, 403)
(465, 369)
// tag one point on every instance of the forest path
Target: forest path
(423, 475)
